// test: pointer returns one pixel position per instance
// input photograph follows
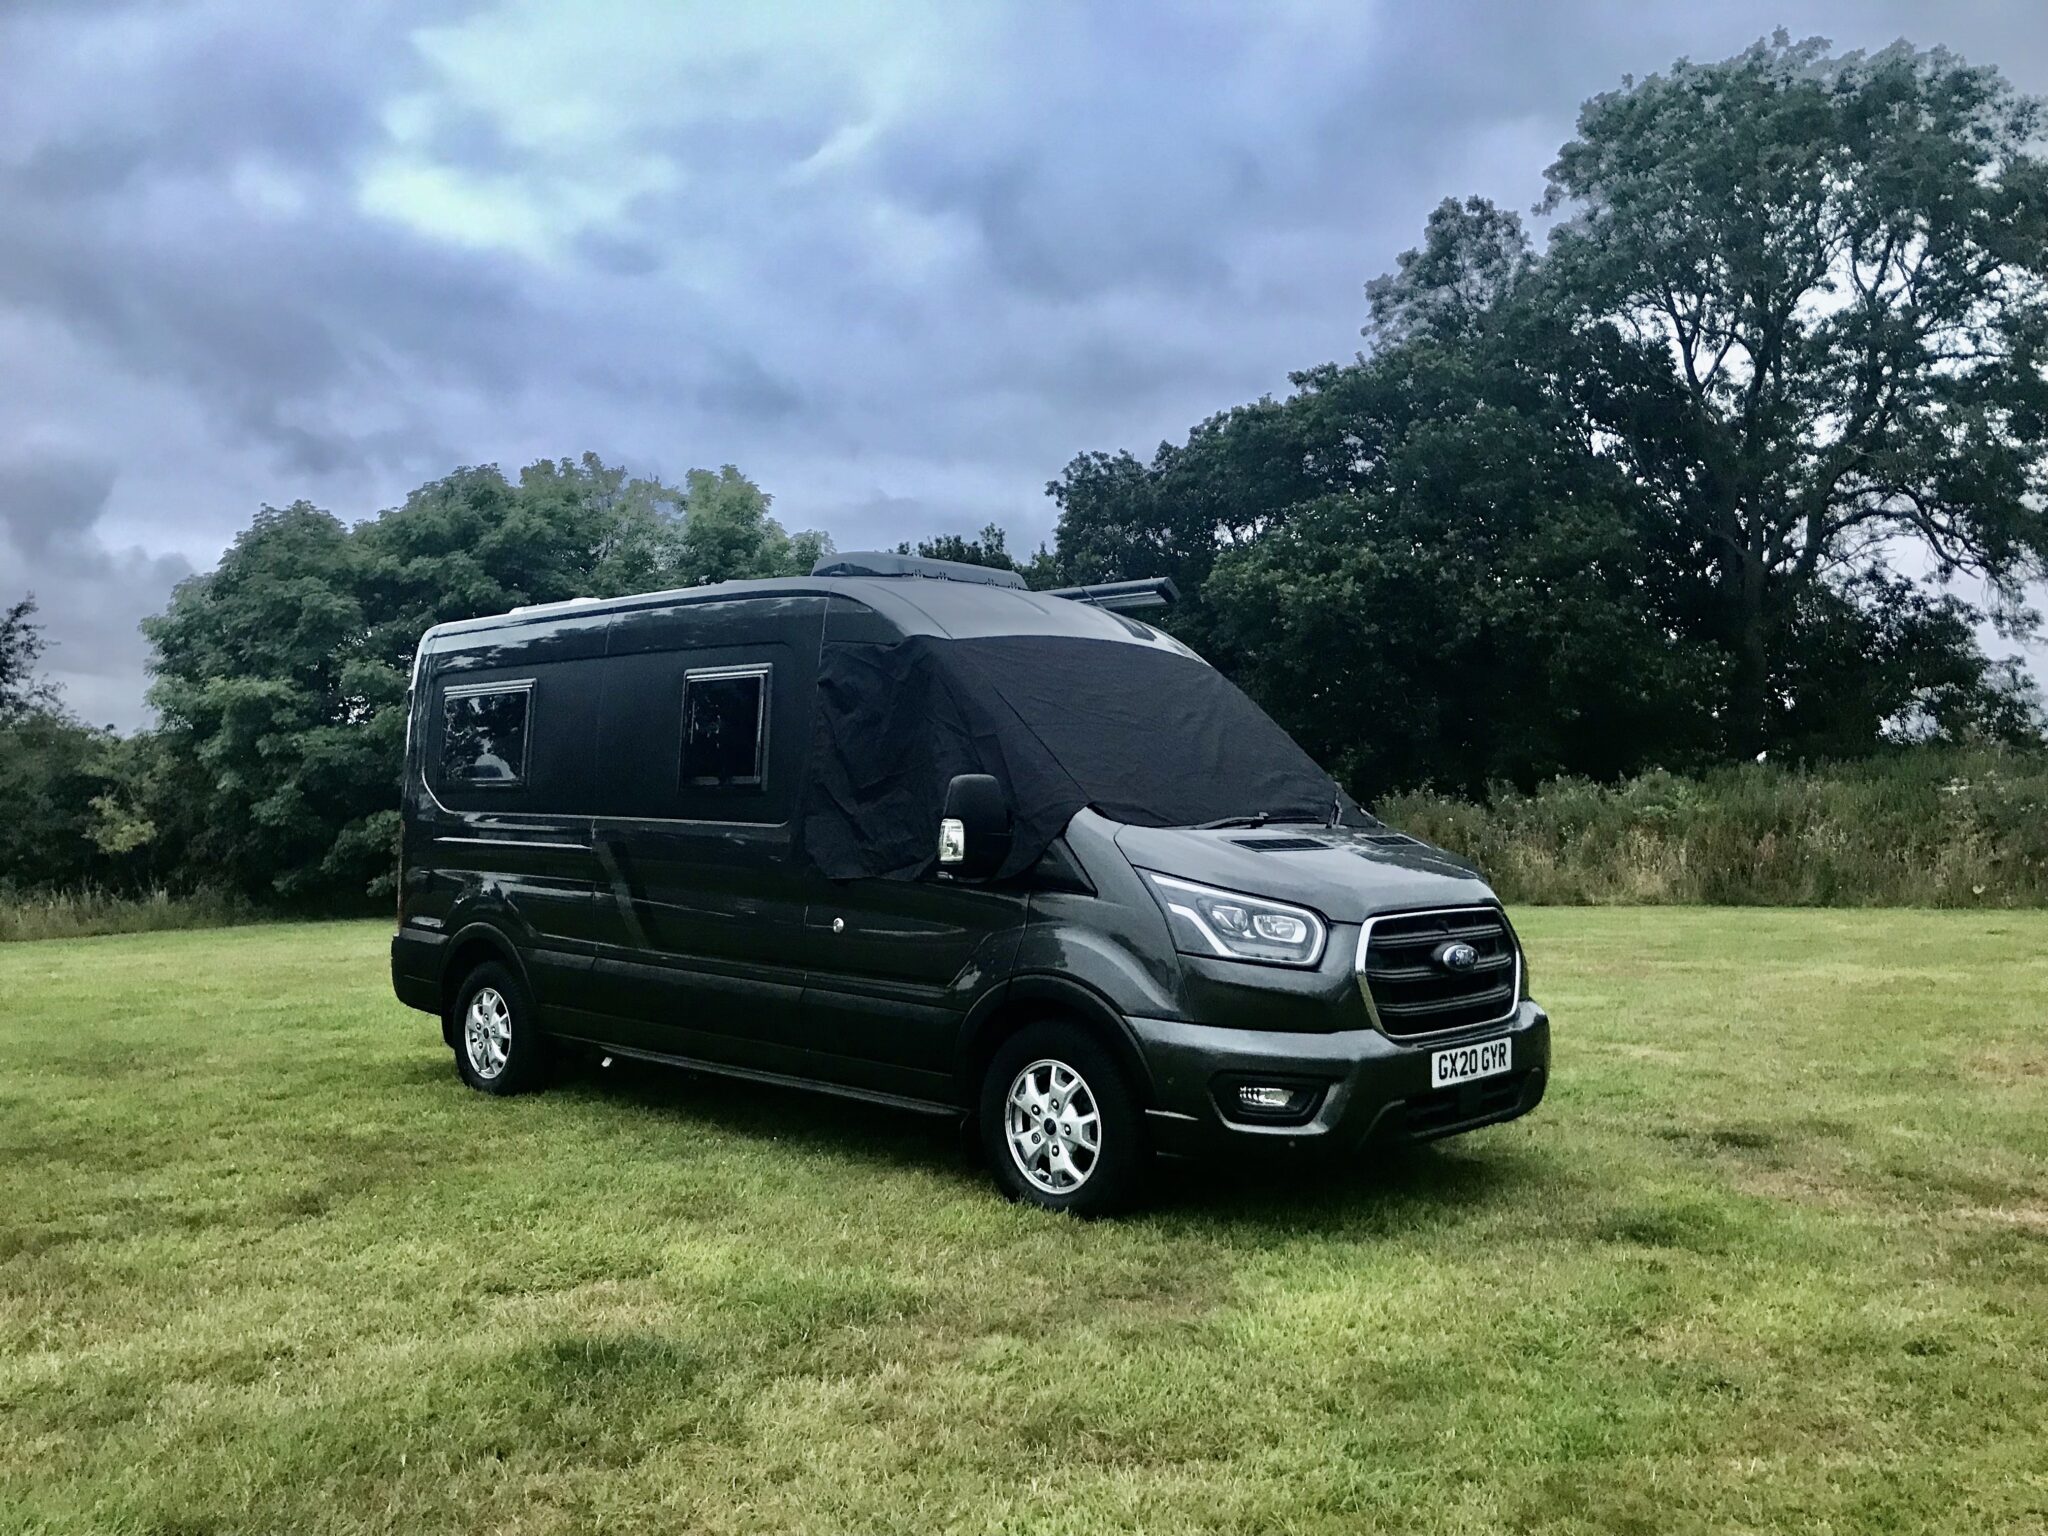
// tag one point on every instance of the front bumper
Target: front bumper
(1377, 1087)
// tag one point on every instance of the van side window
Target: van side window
(725, 726)
(483, 733)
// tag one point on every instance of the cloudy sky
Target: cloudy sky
(899, 263)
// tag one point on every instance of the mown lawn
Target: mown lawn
(1773, 1256)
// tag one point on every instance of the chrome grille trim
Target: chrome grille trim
(1494, 922)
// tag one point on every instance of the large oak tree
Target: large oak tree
(1817, 290)
(1683, 485)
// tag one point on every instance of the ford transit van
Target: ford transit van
(909, 832)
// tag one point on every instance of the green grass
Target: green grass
(1773, 1256)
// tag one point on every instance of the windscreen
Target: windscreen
(1144, 734)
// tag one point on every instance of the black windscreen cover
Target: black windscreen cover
(1143, 734)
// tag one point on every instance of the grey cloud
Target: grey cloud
(50, 544)
(49, 502)
(879, 520)
(901, 307)
(616, 255)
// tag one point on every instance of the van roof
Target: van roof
(915, 604)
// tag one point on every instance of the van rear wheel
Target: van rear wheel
(498, 1048)
(1059, 1125)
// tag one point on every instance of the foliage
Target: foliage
(1813, 292)
(72, 800)
(1769, 1258)
(990, 547)
(1470, 607)
(47, 783)
(726, 534)
(1683, 487)
(281, 675)
(21, 646)
(1239, 474)
(1923, 827)
(91, 911)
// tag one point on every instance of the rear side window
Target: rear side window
(725, 726)
(484, 733)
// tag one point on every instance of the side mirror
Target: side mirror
(974, 836)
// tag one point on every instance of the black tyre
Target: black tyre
(1059, 1125)
(498, 1048)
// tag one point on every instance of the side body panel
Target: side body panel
(893, 966)
(515, 855)
(702, 904)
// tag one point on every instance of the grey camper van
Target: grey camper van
(907, 831)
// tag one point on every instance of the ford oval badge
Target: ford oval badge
(1457, 958)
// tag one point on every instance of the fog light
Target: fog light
(1273, 1099)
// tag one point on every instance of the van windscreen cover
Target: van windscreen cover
(1144, 734)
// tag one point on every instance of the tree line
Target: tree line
(279, 678)
(1692, 480)
(1687, 484)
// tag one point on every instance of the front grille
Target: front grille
(1411, 994)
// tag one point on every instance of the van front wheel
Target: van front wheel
(1059, 1126)
(498, 1049)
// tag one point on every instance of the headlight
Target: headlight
(1206, 921)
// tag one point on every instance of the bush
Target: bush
(78, 914)
(1936, 827)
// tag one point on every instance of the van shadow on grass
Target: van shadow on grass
(1390, 1187)
(1376, 1190)
(808, 1122)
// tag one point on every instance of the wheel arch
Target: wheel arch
(471, 947)
(1033, 999)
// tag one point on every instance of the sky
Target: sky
(899, 263)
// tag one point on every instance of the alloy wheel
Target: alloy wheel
(487, 1033)
(1053, 1126)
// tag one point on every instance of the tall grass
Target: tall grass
(1926, 827)
(80, 914)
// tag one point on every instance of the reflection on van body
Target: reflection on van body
(909, 832)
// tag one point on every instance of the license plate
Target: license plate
(1466, 1063)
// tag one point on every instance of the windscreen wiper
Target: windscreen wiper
(1256, 819)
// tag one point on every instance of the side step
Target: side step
(783, 1080)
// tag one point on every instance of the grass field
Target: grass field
(1773, 1256)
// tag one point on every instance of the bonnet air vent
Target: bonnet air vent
(1280, 844)
(1394, 839)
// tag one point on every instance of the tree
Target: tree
(1682, 486)
(281, 675)
(990, 547)
(1474, 607)
(269, 695)
(21, 647)
(1238, 476)
(727, 533)
(632, 527)
(75, 800)
(1814, 291)
(1474, 260)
